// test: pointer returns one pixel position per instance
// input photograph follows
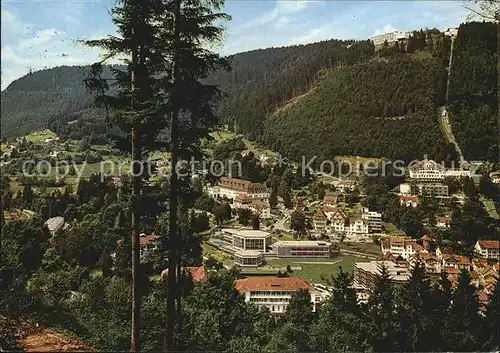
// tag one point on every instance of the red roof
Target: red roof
(482, 296)
(412, 198)
(489, 244)
(148, 239)
(287, 284)
(319, 215)
(197, 273)
(452, 271)
(445, 220)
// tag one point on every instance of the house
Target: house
(319, 221)
(148, 244)
(495, 177)
(464, 263)
(261, 208)
(231, 188)
(374, 220)
(427, 170)
(337, 220)
(346, 185)
(426, 241)
(431, 263)
(274, 293)
(408, 200)
(488, 249)
(451, 32)
(197, 273)
(443, 222)
(401, 246)
(330, 200)
(55, 225)
(450, 261)
(358, 226)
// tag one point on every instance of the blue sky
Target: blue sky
(41, 34)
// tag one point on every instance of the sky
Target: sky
(38, 34)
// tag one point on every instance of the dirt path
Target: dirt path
(47, 340)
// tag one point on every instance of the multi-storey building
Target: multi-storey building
(488, 249)
(231, 188)
(306, 248)
(365, 273)
(248, 239)
(338, 220)
(148, 244)
(427, 170)
(358, 226)
(274, 293)
(374, 220)
(400, 246)
(390, 37)
(433, 189)
(319, 221)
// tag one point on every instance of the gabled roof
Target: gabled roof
(462, 260)
(198, 273)
(288, 284)
(489, 244)
(412, 198)
(148, 239)
(319, 215)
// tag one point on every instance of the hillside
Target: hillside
(376, 109)
(327, 98)
(474, 90)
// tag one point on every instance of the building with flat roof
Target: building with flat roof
(365, 273)
(374, 220)
(306, 248)
(248, 239)
(390, 37)
(273, 292)
(248, 258)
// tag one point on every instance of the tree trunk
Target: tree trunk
(169, 342)
(136, 191)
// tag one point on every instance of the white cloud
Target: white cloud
(283, 21)
(281, 9)
(386, 29)
(12, 24)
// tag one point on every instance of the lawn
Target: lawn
(40, 136)
(391, 228)
(368, 248)
(490, 208)
(315, 269)
(209, 250)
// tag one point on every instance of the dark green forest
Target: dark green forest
(360, 110)
(327, 98)
(473, 104)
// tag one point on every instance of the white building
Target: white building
(337, 218)
(488, 249)
(427, 170)
(451, 32)
(390, 37)
(408, 200)
(346, 185)
(248, 239)
(55, 224)
(319, 221)
(148, 244)
(495, 177)
(248, 258)
(401, 246)
(231, 188)
(358, 226)
(274, 293)
(306, 248)
(365, 273)
(374, 220)
(262, 208)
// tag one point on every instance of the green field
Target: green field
(490, 208)
(40, 136)
(314, 270)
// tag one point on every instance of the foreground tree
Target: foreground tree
(134, 107)
(188, 31)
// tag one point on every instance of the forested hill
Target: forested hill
(473, 96)
(262, 80)
(327, 98)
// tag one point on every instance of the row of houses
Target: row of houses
(333, 219)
